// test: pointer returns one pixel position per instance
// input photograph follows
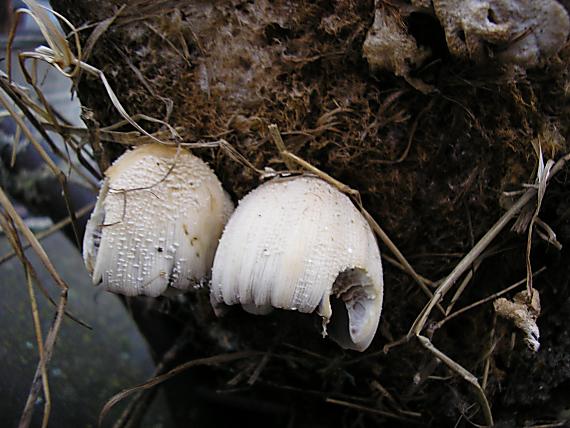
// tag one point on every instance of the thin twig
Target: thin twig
(208, 361)
(48, 232)
(18, 247)
(34, 243)
(464, 373)
(366, 409)
(259, 369)
(39, 339)
(45, 157)
(489, 353)
(385, 393)
(557, 424)
(485, 300)
(278, 140)
(400, 266)
(356, 196)
(49, 346)
(12, 236)
(56, 324)
(462, 287)
(395, 250)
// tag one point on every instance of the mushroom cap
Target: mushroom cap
(157, 222)
(291, 244)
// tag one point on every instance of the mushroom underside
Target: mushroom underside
(94, 233)
(355, 309)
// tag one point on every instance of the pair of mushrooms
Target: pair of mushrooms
(292, 243)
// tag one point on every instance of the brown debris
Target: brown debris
(389, 46)
(522, 32)
(523, 312)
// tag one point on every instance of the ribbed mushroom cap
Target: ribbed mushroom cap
(156, 223)
(291, 244)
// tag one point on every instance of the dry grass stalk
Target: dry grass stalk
(208, 361)
(14, 240)
(45, 157)
(48, 232)
(473, 305)
(545, 173)
(478, 249)
(372, 410)
(289, 157)
(464, 373)
(60, 55)
(51, 336)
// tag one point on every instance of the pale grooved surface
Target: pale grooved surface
(167, 231)
(285, 245)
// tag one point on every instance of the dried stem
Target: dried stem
(489, 353)
(208, 361)
(56, 324)
(48, 232)
(356, 196)
(372, 410)
(482, 301)
(45, 157)
(464, 373)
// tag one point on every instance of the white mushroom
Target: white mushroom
(156, 223)
(291, 244)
